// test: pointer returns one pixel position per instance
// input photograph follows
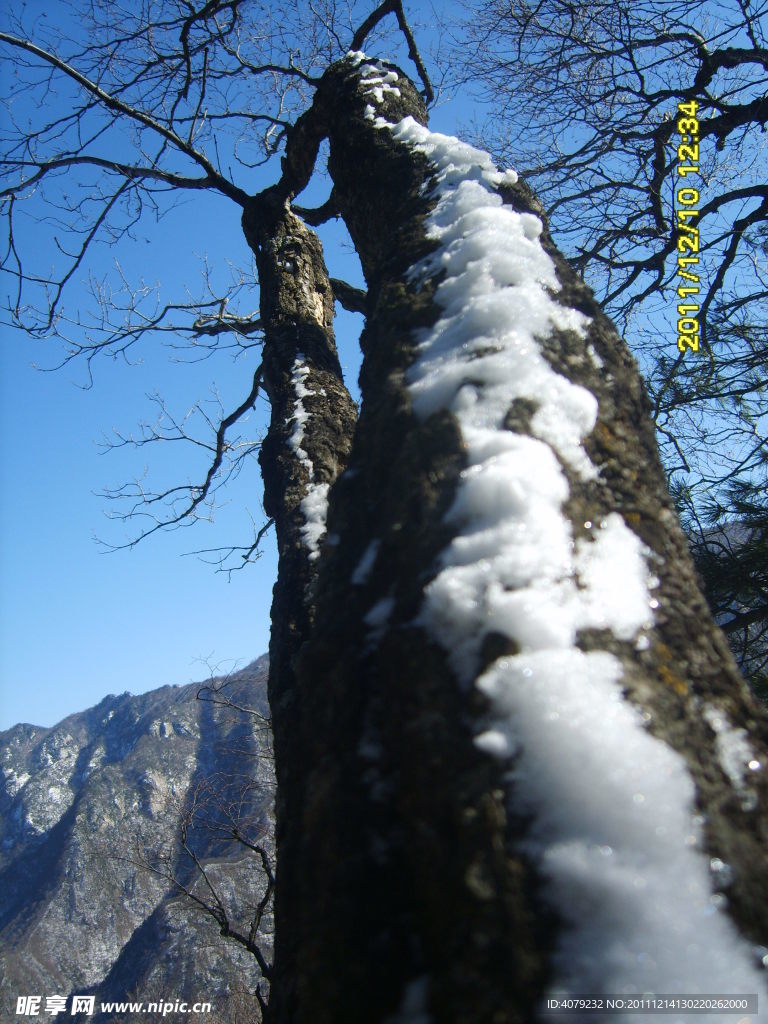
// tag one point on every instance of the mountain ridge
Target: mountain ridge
(92, 863)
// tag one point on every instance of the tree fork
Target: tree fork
(415, 893)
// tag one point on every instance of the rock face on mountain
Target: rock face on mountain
(105, 820)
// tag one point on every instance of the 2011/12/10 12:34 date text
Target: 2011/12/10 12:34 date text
(686, 231)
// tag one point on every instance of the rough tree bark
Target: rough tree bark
(312, 415)
(307, 445)
(412, 889)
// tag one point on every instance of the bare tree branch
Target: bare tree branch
(116, 105)
(395, 7)
(352, 299)
(192, 496)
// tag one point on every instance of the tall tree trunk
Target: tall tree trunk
(307, 445)
(514, 712)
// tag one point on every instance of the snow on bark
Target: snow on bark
(734, 753)
(612, 806)
(314, 505)
(366, 564)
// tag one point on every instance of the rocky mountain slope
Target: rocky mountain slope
(106, 818)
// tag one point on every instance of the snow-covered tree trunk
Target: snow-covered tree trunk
(528, 761)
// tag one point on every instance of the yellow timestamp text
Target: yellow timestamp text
(686, 230)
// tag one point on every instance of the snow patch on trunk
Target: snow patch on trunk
(375, 76)
(734, 753)
(612, 806)
(314, 505)
(365, 565)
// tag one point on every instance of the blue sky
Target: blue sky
(76, 621)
